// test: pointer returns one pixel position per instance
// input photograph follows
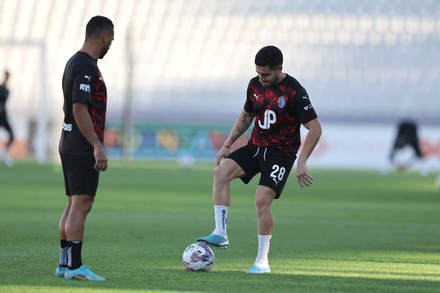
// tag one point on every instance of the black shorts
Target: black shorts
(5, 123)
(79, 175)
(273, 164)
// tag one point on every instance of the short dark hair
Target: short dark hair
(97, 25)
(269, 55)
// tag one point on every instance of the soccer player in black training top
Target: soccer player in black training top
(81, 150)
(279, 105)
(4, 122)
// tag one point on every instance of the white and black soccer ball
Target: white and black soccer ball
(198, 257)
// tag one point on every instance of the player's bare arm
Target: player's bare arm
(312, 138)
(85, 125)
(242, 124)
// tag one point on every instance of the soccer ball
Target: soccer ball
(198, 257)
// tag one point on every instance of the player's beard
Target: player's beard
(103, 52)
(269, 83)
(272, 82)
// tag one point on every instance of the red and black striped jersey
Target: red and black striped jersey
(279, 112)
(82, 83)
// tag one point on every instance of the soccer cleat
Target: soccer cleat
(83, 273)
(59, 272)
(215, 240)
(259, 270)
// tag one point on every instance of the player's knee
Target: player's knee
(262, 204)
(88, 207)
(221, 174)
(263, 201)
(85, 205)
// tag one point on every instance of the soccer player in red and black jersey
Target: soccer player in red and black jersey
(81, 145)
(279, 105)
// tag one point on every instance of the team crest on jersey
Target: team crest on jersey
(281, 102)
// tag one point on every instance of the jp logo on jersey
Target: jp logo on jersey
(269, 118)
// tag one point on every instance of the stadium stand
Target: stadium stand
(360, 60)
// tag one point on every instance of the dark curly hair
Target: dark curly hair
(269, 56)
(97, 25)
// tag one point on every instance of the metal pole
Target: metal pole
(127, 119)
(41, 142)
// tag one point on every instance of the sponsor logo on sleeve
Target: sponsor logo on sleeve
(84, 87)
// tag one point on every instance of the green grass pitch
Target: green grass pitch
(352, 231)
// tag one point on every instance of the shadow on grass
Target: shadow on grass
(174, 280)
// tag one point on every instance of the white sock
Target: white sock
(263, 250)
(63, 256)
(221, 220)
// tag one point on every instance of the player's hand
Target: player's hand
(303, 177)
(101, 162)
(221, 155)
